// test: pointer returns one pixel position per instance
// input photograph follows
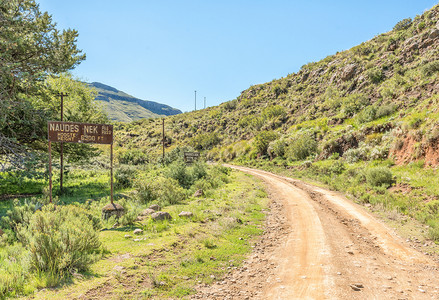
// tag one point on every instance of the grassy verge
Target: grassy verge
(169, 258)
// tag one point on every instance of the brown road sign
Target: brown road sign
(70, 132)
(189, 157)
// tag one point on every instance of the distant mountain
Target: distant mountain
(126, 108)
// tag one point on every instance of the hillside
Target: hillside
(374, 100)
(363, 121)
(126, 108)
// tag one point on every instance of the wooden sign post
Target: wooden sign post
(70, 132)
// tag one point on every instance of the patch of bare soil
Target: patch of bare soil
(319, 245)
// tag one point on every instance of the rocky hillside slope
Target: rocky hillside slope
(374, 101)
(126, 108)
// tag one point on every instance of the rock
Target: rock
(185, 214)
(356, 286)
(127, 236)
(110, 210)
(199, 193)
(161, 215)
(138, 231)
(155, 207)
(147, 212)
(434, 33)
(392, 46)
(348, 72)
(118, 268)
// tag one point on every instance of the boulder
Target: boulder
(161, 215)
(348, 72)
(155, 207)
(147, 212)
(199, 193)
(112, 209)
(137, 231)
(434, 33)
(185, 214)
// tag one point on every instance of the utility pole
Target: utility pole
(204, 102)
(163, 142)
(62, 95)
(195, 100)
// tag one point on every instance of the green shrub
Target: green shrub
(124, 176)
(177, 154)
(379, 177)
(302, 146)
(337, 167)
(277, 148)
(205, 141)
(403, 24)
(178, 170)
(61, 239)
(274, 111)
(375, 75)
(168, 191)
(353, 104)
(20, 214)
(367, 115)
(198, 170)
(262, 140)
(164, 190)
(133, 157)
(430, 68)
(14, 271)
(385, 110)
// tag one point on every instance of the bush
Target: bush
(198, 170)
(168, 192)
(20, 214)
(178, 170)
(337, 167)
(272, 112)
(302, 146)
(375, 75)
(403, 24)
(164, 190)
(61, 239)
(379, 177)
(430, 68)
(354, 103)
(277, 148)
(133, 157)
(124, 176)
(177, 154)
(262, 140)
(205, 141)
(14, 270)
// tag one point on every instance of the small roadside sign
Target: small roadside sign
(190, 157)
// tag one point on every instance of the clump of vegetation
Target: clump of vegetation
(379, 177)
(262, 140)
(302, 146)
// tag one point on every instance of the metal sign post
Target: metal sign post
(70, 132)
(62, 95)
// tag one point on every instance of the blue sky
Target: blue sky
(164, 50)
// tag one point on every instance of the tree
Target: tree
(31, 48)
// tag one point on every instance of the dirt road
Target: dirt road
(319, 245)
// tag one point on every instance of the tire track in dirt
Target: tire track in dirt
(323, 246)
